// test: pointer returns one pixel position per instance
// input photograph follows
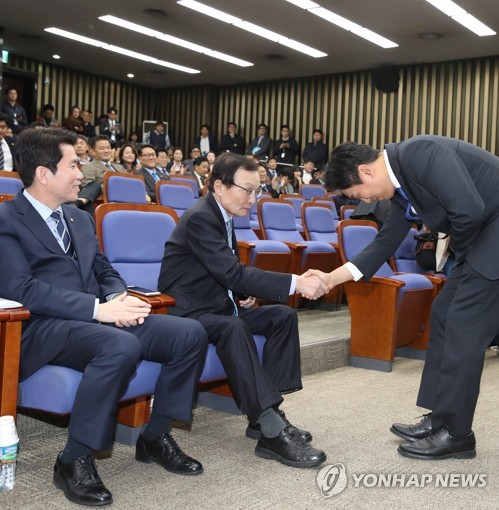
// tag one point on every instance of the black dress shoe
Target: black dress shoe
(413, 432)
(80, 482)
(290, 450)
(255, 432)
(167, 453)
(440, 444)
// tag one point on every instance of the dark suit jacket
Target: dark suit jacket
(265, 146)
(104, 130)
(150, 182)
(235, 145)
(199, 266)
(454, 187)
(212, 140)
(35, 271)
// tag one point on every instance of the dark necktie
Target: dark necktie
(229, 226)
(2, 160)
(63, 233)
(409, 214)
(109, 166)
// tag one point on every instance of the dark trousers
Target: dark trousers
(255, 386)
(108, 357)
(464, 320)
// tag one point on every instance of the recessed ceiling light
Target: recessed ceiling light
(130, 75)
(57, 57)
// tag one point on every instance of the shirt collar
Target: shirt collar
(223, 211)
(391, 174)
(43, 210)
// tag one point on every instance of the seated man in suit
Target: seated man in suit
(6, 145)
(265, 182)
(148, 170)
(200, 169)
(82, 318)
(201, 269)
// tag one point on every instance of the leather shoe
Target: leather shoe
(289, 450)
(440, 444)
(413, 432)
(167, 453)
(80, 482)
(254, 431)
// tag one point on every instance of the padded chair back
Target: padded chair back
(187, 179)
(177, 195)
(405, 256)
(278, 221)
(243, 229)
(124, 188)
(319, 223)
(354, 236)
(327, 203)
(133, 238)
(309, 191)
(346, 211)
(10, 183)
(296, 201)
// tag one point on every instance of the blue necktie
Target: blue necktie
(2, 160)
(63, 233)
(411, 216)
(155, 175)
(229, 226)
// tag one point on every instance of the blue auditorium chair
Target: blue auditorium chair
(309, 191)
(177, 195)
(10, 183)
(319, 222)
(389, 313)
(123, 188)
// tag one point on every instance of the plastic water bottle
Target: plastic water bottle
(9, 444)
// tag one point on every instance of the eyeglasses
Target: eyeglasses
(149, 155)
(251, 193)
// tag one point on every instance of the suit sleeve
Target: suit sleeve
(207, 243)
(89, 174)
(440, 171)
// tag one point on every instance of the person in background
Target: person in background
(162, 161)
(74, 122)
(282, 183)
(265, 182)
(201, 168)
(286, 147)
(211, 156)
(112, 128)
(296, 182)
(128, 158)
(47, 117)
(261, 145)
(272, 167)
(195, 153)
(308, 168)
(7, 145)
(15, 112)
(232, 141)
(176, 165)
(316, 150)
(157, 137)
(206, 141)
(88, 127)
(148, 170)
(81, 149)
(318, 177)
(133, 138)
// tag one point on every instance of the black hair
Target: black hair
(225, 167)
(98, 138)
(197, 161)
(147, 146)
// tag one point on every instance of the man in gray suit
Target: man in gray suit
(453, 187)
(202, 271)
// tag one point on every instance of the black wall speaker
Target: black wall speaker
(386, 79)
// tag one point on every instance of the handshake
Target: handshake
(313, 284)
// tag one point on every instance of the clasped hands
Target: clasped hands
(124, 311)
(313, 284)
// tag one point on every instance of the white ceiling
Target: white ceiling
(401, 21)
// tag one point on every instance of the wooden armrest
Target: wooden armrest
(295, 246)
(245, 248)
(387, 281)
(245, 245)
(434, 278)
(10, 352)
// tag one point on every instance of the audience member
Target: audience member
(286, 147)
(318, 176)
(81, 149)
(16, 114)
(272, 167)
(201, 168)
(176, 165)
(265, 182)
(296, 182)
(162, 161)
(88, 127)
(282, 183)
(206, 141)
(128, 158)
(157, 137)
(6, 145)
(195, 153)
(133, 138)
(74, 122)
(261, 145)
(202, 271)
(211, 156)
(112, 128)
(231, 141)
(148, 170)
(308, 168)
(316, 150)
(82, 318)
(47, 117)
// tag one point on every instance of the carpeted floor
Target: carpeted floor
(349, 412)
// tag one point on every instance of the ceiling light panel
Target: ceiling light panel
(458, 14)
(344, 23)
(121, 51)
(174, 40)
(252, 28)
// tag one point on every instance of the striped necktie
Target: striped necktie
(63, 233)
(230, 227)
(2, 160)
